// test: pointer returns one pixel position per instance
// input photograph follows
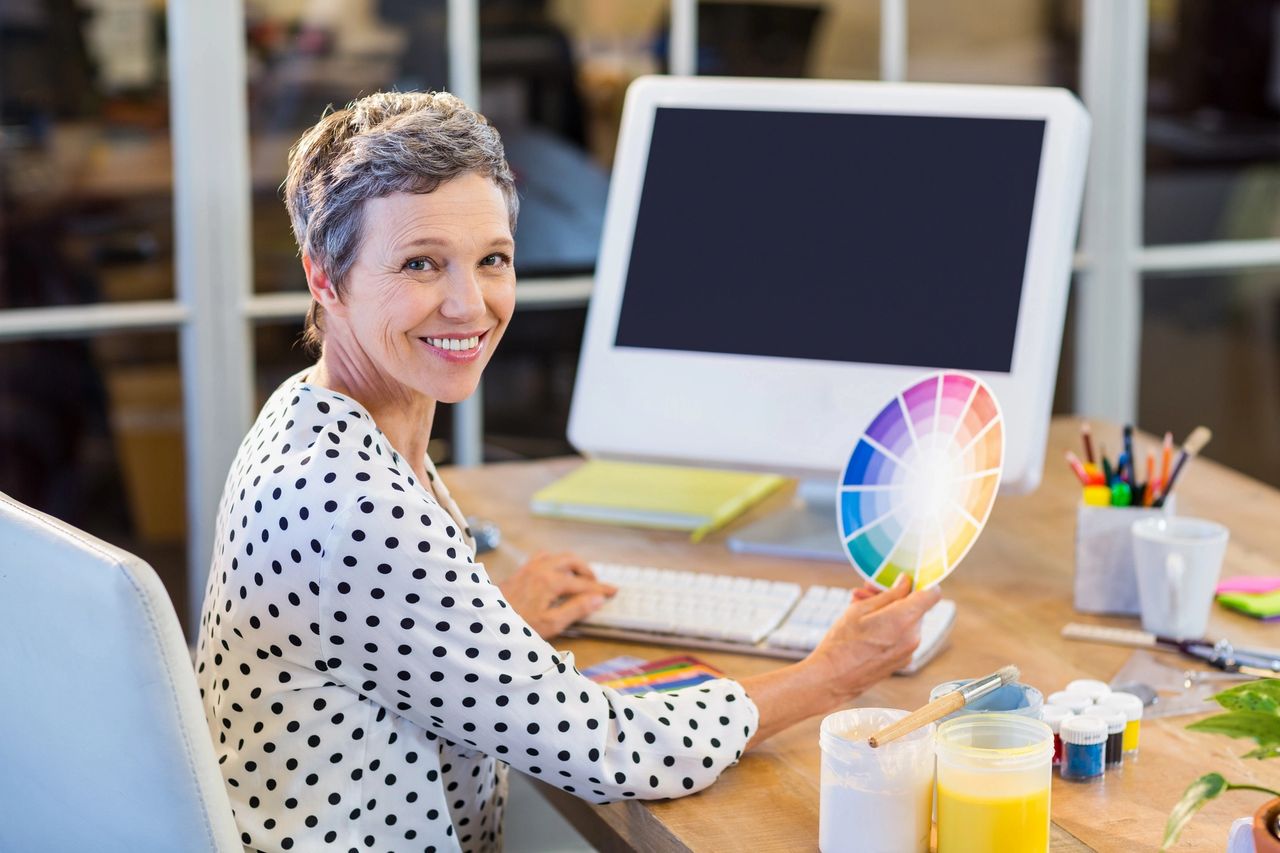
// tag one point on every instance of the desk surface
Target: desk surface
(1013, 594)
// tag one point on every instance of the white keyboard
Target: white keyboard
(748, 615)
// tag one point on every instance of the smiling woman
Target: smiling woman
(366, 684)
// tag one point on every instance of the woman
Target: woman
(365, 682)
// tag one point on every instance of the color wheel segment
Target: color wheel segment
(921, 480)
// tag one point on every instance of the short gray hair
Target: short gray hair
(381, 144)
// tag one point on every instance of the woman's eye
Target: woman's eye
(418, 265)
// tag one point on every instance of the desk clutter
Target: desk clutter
(989, 763)
(1109, 557)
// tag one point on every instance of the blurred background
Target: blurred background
(92, 424)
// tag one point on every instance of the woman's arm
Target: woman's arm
(873, 638)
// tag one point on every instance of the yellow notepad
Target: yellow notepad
(667, 497)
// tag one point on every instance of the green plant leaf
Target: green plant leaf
(1262, 728)
(1197, 794)
(1263, 752)
(1262, 695)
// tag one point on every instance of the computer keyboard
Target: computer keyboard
(746, 615)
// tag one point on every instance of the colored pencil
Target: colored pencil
(1086, 436)
(1200, 436)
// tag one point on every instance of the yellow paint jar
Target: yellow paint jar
(994, 776)
(1132, 707)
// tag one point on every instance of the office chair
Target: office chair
(103, 740)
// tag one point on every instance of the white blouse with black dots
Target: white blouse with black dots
(367, 685)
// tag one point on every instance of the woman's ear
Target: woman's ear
(321, 287)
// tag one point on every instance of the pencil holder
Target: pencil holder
(1106, 581)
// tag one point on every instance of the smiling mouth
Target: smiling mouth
(459, 345)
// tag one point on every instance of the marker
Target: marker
(1124, 465)
(1097, 496)
(1121, 494)
(1107, 476)
(1128, 450)
(1086, 436)
(1195, 442)
(1095, 474)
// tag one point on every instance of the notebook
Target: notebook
(666, 497)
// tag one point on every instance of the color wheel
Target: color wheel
(921, 480)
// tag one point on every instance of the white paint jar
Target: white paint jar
(874, 800)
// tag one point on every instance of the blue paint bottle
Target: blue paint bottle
(1084, 748)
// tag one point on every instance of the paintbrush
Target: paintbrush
(1191, 447)
(947, 703)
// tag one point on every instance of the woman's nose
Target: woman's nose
(465, 299)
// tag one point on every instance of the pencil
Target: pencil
(1081, 474)
(1086, 436)
(1195, 442)
(1166, 462)
(1149, 493)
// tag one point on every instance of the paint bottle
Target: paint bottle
(1132, 707)
(878, 800)
(1116, 720)
(1073, 702)
(1053, 715)
(994, 776)
(1084, 748)
(1090, 688)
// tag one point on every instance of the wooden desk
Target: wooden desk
(1014, 594)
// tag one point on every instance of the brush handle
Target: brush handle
(937, 709)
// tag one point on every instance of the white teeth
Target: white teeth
(454, 344)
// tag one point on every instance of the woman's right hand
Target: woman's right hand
(874, 637)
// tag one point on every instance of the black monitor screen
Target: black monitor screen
(882, 239)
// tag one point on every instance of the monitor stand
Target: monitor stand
(805, 530)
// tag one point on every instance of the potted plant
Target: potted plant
(1252, 711)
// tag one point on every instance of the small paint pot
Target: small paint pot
(1016, 698)
(1132, 707)
(1084, 748)
(1116, 721)
(1090, 688)
(1053, 715)
(878, 800)
(1073, 702)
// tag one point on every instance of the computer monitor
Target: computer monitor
(780, 258)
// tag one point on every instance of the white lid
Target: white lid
(1083, 730)
(1072, 701)
(1113, 717)
(1092, 688)
(1127, 702)
(1054, 715)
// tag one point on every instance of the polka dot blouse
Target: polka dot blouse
(367, 685)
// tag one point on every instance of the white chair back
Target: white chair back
(103, 740)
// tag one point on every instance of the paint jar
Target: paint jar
(1084, 748)
(1116, 721)
(1132, 707)
(878, 800)
(1073, 702)
(1021, 699)
(1090, 688)
(1053, 715)
(994, 776)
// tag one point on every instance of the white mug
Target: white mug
(1177, 561)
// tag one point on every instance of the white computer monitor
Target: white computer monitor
(781, 257)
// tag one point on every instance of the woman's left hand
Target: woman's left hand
(552, 591)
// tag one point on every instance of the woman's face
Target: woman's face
(433, 286)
